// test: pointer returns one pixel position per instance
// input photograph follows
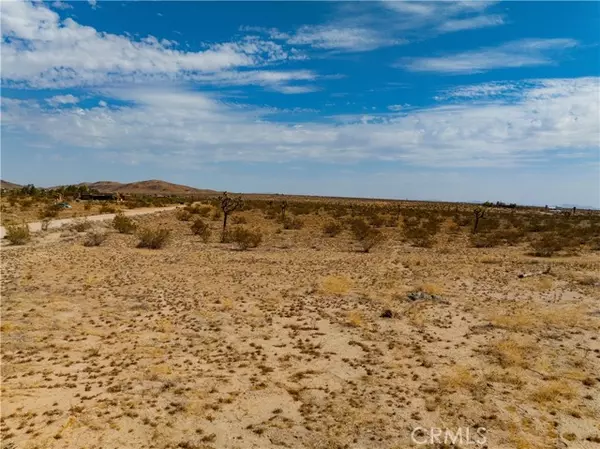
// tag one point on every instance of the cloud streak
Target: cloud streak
(521, 53)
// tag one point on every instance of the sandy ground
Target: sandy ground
(292, 344)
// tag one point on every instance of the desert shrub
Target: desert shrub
(123, 224)
(94, 238)
(81, 225)
(420, 233)
(332, 228)
(107, 209)
(271, 214)
(365, 235)
(183, 215)
(50, 211)
(26, 204)
(216, 215)
(87, 205)
(203, 211)
(488, 240)
(18, 234)
(245, 238)
(549, 244)
(292, 223)
(377, 221)
(153, 238)
(237, 220)
(202, 229)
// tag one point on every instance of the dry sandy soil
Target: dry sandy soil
(198, 345)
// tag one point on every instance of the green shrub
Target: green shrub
(332, 228)
(153, 238)
(123, 224)
(18, 234)
(202, 229)
(245, 238)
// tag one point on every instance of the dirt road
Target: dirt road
(37, 226)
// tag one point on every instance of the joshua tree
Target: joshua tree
(228, 205)
(479, 214)
(283, 206)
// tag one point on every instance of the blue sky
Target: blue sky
(453, 101)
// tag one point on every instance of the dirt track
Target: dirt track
(37, 226)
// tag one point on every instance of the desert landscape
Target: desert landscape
(307, 323)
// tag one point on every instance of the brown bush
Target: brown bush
(365, 235)
(183, 215)
(245, 238)
(50, 211)
(332, 228)
(18, 234)
(549, 244)
(81, 225)
(292, 223)
(237, 220)
(123, 224)
(153, 238)
(202, 229)
(107, 209)
(94, 238)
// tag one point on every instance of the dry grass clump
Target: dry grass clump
(554, 391)
(245, 238)
(183, 215)
(153, 238)
(81, 225)
(123, 224)
(201, 229)
(18, 234)
(107, 209)
(292, 223)
(94, 238)
(510, 352)
(336, 285)
(332, 228)
(524, 319)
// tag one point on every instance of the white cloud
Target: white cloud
(548, 118)
(341, 38)
(44, 52)
(61, 5)
(471, 23)
(63, 99)
(442, 17)
(523, 53)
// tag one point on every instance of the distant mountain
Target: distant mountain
(151, 187)
(9, 185)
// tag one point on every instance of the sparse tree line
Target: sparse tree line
(372, 224)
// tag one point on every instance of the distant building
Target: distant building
(99, 196)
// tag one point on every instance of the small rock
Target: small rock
(415, 296)
(387, 313)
